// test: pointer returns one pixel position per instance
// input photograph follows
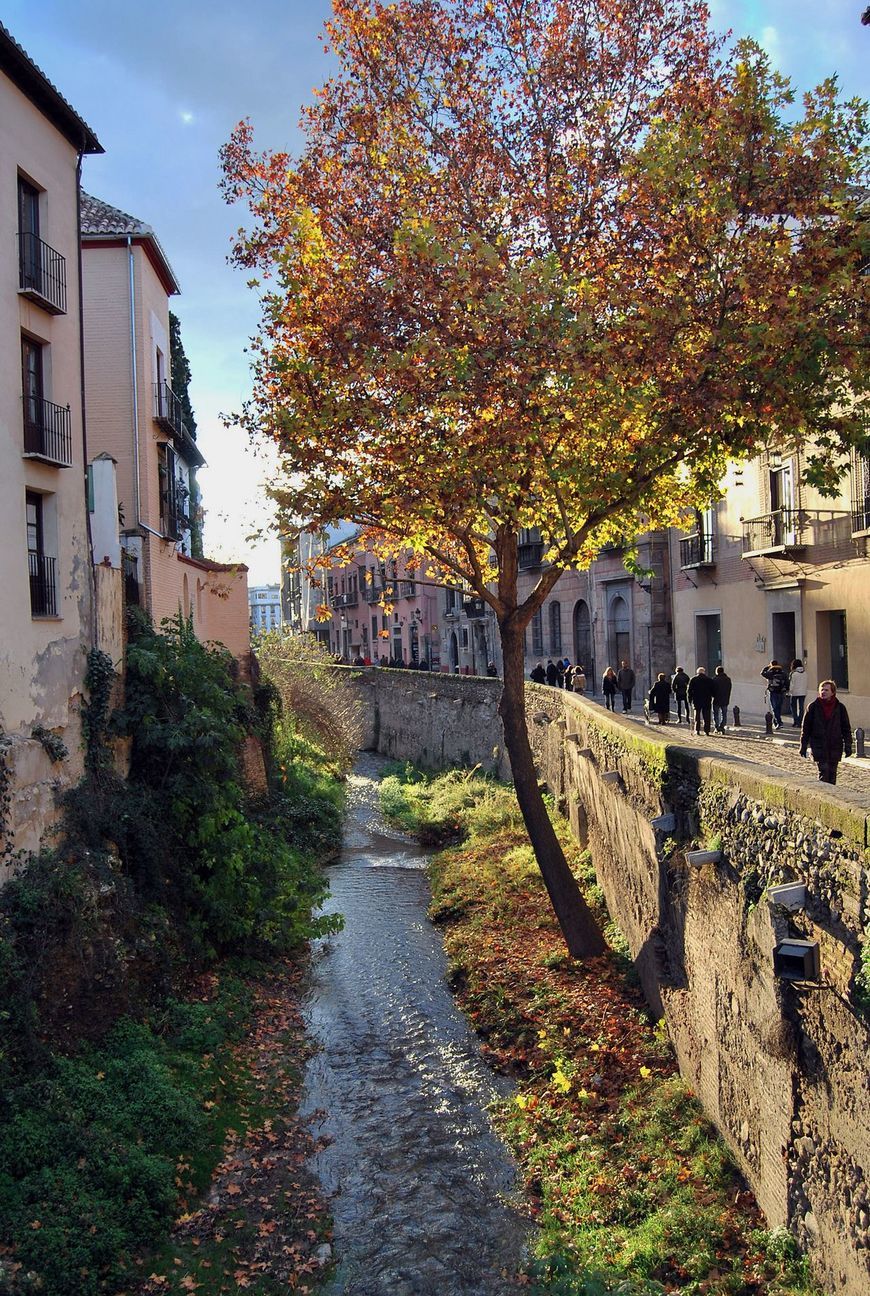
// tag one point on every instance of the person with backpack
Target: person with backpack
(777, 687)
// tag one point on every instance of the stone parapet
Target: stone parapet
(687, 848)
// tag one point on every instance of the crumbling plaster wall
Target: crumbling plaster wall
(780, 1068)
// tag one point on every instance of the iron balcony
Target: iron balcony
(43, 590)
(697, 551)
(41, 274)
(47, 431)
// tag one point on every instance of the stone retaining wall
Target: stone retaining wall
(780, 1067)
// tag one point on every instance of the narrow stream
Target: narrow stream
(424, 1195)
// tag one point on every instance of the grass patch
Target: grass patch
(632, 1190)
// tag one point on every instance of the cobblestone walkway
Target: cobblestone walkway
(779, 753)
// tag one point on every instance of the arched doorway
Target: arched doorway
(584, 654)
(618, 632)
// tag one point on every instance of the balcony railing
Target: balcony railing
(345, 600)
(789, 530)
(43, 590)
(529, 555)
(372, 592)
(48, 431)
(407, 589)
(697, 551)
(474, 608)
(41, 273)
(861, 514)
(167, 409)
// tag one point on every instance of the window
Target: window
(41, 270)
(555, 629)
(28, 235)
(861, 492)
(43, 590)
(169, 522)
(47, 427)
(538, 634)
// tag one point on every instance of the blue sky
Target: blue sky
(163, 85)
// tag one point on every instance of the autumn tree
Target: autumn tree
(547, 263)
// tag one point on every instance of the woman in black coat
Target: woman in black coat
(826, 731)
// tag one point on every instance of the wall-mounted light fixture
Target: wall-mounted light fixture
(796, 960)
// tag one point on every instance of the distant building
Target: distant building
(264, 602)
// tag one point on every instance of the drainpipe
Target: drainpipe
(92, 577)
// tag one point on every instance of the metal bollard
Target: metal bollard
(859, 743)
(768, 722)
(737, 717)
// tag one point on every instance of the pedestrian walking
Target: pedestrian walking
(551, 672)
(721, 698)
(608, 688)
(777, 687)
(578, 679)
(560, 673)
(680, 685)
(538, 674)
(826, 731)
(700, 695)
(660, 698)
(625, 683)
(797, 690)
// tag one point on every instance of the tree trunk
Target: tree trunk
(582, 936)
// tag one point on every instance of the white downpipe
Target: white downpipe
(134, 386)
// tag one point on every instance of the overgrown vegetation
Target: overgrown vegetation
(631, 1188)
(318, 712)
(116, 1095)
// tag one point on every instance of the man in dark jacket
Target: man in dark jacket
(826, 731)
(625, 684)
(538, 674)
(552, 673)
(680, 684)
(700, 694)
(721, 698)
(660, 698)
(777, 687)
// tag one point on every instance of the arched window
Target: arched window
(583, 653)
(555, 629)
(618, 632)
(538, 634)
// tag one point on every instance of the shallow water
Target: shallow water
(423, 1192)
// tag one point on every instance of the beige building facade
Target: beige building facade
(775, 570)
(135, 417)
(46, 587)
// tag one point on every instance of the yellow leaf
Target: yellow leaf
(645, 1072)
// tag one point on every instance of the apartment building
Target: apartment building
(382, 609)
(264, 603)
(135, 417)
(47, 623)
(775, 570)
(603, 615)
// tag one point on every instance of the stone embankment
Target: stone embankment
(690, 840)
